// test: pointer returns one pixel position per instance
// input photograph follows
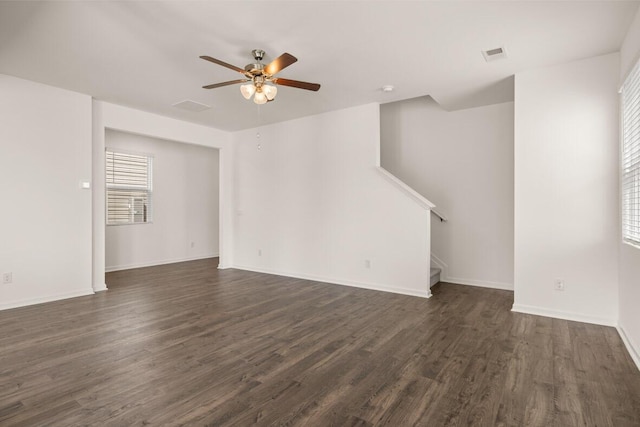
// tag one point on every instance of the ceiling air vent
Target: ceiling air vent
(495, 53)
(191, 106)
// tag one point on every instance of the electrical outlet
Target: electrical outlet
(259, 252)
(7, 278)
(193, 244)
(558, 285)
(367, 263)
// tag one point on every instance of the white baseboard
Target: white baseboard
(634, 350)
(478, 283)
(100, 287)
(152, 263)
(565, 315)
(362, 285)
(49, 298)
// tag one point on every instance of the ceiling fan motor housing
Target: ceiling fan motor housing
(256, 69)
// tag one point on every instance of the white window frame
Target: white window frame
(630, 157)
(133, 193)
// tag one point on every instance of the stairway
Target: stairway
(435, 276)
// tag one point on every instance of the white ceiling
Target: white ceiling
(145, 54)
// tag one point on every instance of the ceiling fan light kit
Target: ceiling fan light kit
(247, 90)
(259, 81)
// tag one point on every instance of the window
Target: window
(129, 189)
(631, 157)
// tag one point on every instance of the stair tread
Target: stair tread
(435, 276)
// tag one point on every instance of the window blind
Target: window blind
(631, 157)
(129, 187)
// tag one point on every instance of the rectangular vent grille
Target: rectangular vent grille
(191, 106)
(495, 53)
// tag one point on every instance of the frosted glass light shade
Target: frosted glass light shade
(260, 98)
(247, 90)
(270, 91)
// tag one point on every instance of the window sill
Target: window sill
(129, 223)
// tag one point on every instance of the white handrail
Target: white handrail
(439, 215)
(419, 198)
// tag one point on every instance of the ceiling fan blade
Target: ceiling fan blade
(224, 64)
(298, 84)
(280, 63)
(231, 82)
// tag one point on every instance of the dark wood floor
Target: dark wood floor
(189, 344)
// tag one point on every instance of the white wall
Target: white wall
(116, 117)
(185, 205)
(45, 152)
(566, 190)
(463, 162)
(629, 322)
(309, 197)
(630, 49)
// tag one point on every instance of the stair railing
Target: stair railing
(439, 215)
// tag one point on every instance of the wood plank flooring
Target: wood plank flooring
(187, 344)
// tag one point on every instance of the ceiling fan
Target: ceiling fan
(261, 77)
